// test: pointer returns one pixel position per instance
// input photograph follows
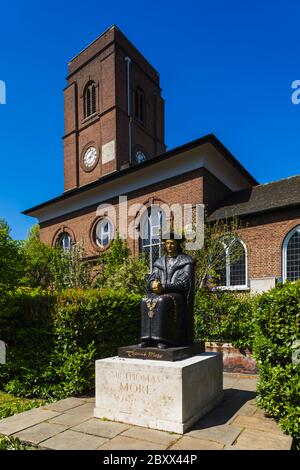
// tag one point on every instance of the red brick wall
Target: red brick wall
(104, 63)
(214, 191)
(264, 236)
(184, 189)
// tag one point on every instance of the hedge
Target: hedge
(53, 339)
(277, 330)
(225, 316)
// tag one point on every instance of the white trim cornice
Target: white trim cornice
(203, 156)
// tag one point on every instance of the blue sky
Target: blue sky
(226, 67)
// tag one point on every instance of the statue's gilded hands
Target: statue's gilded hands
(156, 287)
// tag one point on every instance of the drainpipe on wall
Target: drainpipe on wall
(128, 62)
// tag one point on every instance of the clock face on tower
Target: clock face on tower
(89, 159)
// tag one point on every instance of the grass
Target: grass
(10, 443)
(10, 405)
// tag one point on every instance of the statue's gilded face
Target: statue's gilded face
(171, 247)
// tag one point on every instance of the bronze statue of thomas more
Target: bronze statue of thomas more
(167, 310)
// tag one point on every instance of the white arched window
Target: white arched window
(64, 241)
(234, 273)
(103, 233)
(151, 225)
(291, 256)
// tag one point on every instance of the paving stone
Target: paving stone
(253, 402)
(246, 410)
(72, 440)
(151, 435)
(222, 414)
(83, 411)
(127, 443)
(21, 421)
(39, 432)
(67, 420)
(246, 384)
(222, 434)
(64, 405)
(91, 400)
(97, 427)
(265, 424)
(229, 382)
(259, 413)
(258, 440)
(231, 375)
(234, 448)
(191, 443)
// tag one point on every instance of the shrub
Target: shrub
(225, 316)
(37, 261)
(10, 260)
(10, 405)
(54, 338)
(277, 329)
(106, 317)
(131, 275)
(12, 443)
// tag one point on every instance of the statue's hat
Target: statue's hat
(173, 236)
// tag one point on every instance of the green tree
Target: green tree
(71, 269)
(131, 275)
(111, 260)
(38, 261)
(10, 259)
(118, 269)
(52, 267)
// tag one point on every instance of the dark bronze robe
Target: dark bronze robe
(168, 317)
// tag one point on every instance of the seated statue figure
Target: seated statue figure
(167, 310)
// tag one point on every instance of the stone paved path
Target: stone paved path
(237, 423)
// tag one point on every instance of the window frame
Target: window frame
(59, 240)
(89, 100)
(228, 286)
(284, 251)
(102, 220)
(145, 219)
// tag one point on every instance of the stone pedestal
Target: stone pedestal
(170, 396)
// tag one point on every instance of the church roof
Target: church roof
(261, 198)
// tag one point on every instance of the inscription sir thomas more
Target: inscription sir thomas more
(144, 354)
(135, 382)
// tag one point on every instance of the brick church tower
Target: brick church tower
(114, 112)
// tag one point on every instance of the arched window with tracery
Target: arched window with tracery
(89, 99)
(64, 241)
(291, 255)
(151, 226)
(233, 271)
